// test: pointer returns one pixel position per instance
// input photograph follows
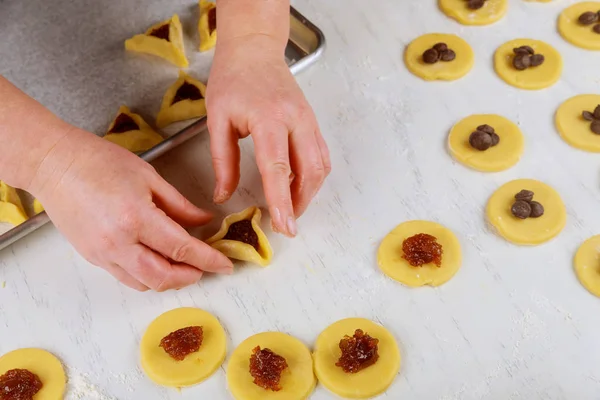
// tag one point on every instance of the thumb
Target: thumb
(176, 206)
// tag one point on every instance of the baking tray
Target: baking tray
(305, 46)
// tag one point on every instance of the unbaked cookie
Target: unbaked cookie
(532, 77)
(527, 231)
(370, 380)
(184, 100)
(44, 365)
(163, 367)
(11, 207)
(207, 25)
(587, 265)
(242, 238)
(492, 156)
(580, 34)
(440, 70)
(296, 381)
(573, 127)
(492, 11)
(398, 265)
(164, 40)
(130, 131)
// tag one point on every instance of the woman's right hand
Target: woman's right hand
(121, 215)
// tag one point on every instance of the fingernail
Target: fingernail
(276, 221)
(291, 226)
(220, 196)
(228, 270)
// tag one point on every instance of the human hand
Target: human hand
(251, 91)
(121, 215)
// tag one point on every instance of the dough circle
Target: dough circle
(530, 231)
(533, 78)
(572, 31)
(447, 71)
(196, 367)
(364, 384)
(45, 365)
(573, 128)
(297, 380)
(587, 265)
(498, 158)
(392, 264)
(492, 11)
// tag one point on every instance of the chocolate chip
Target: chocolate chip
(537, 59)
(524, 195)
(475, 4)
(597, 112)
(597, 28)
(524, 50)
(486, 128)
(431, 56)
(588, 18)
(522, 61)
(495, 139)
(440, 47)
(480, 140)
(596, 127)
(448, 55)
(521, 209)
(588, 116)
(537, 210)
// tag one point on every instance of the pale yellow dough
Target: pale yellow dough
(448, 71)
(571, 125)
(533, 78)
(364, 384)
(297, 380)
(492, 11)
(11, 207)
(45, 365)
(196, 367)
(587, 265)
(239, 250)
(498, 158)
(396, 267)
(208, 39)
(572, 31)
(530, 231)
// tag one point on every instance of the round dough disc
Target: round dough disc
(573, 128)
(492, 11)
(393, 265)
(533, 78)
(447, 71)
(196, 367)
(498, 158)
(297, 380)
(530, 231)
(364, 384)
(572, 31)
(587, 265)
(45, 365)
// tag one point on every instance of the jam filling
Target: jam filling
(358, 352)
(266, 368)
(422, 249)
(212, 20)
(183, 342)
(19, 384)
(162, 32)
(187, 91)
(242, 231)
(124, 123)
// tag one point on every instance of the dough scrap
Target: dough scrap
(239, 250)
(297, 380)
(447, 71)
(492, 11)
(533, 78)
(530, 231)
(392, 264)
(208, 39)
(587, 265)
(171, 50)
(42, 363)
(138, 140)
(196, 367)
(573, 128)
(577, 34)
(497, 158)
(364, 384)
(184, 109)
(11, 207)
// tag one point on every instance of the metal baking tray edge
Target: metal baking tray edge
(305, 46)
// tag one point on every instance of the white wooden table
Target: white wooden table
(513, 324)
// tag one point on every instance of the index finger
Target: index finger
(273, 159)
